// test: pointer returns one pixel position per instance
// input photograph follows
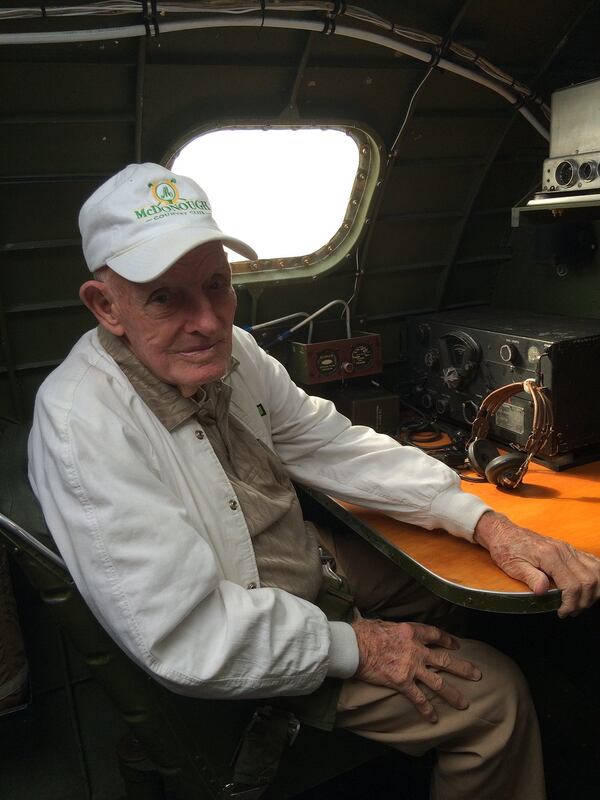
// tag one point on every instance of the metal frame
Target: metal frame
(467, 596)
(269, 272)
(16, 531)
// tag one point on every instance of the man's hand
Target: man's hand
(400, 654)
(534, 559)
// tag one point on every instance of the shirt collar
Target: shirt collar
(163, 399)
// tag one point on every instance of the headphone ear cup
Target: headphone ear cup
(502, 470)
(481, 452)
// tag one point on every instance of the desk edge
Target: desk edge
(459, 594)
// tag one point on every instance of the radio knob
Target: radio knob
(423, 333)
(442, 405)
(426, 401)
(451, 377)
(431, 358)
(469, 411)
(508, 354)
(348, 366)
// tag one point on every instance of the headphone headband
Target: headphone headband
(490, 404)
(541, 423)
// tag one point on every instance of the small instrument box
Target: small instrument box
(332, 358)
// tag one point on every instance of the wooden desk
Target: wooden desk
(564, 505)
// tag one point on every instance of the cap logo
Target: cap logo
(167, 203)
(165, 192)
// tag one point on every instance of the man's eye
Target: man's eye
(220, 282)
(161, 298)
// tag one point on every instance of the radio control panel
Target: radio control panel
(458, 357)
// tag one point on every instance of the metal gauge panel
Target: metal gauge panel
(336, 359)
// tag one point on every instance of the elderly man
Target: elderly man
(162, 451)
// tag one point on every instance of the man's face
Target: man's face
(180, 325)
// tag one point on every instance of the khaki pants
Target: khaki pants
(489, 751)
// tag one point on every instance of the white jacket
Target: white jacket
(154, 537)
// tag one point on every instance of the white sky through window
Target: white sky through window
(284, 192)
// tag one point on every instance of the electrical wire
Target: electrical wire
(453, 453)
(471, 479)
(318, 313)
(307, 320)
(426, 430)
(273, 322)
(112, 7)
(392, 150)
(357, 276)
(237, 15)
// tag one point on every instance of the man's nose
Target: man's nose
(201, 316)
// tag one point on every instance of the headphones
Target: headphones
(508, 471)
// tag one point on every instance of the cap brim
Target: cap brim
(148, 260)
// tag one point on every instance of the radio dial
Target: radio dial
(508, 354)
(327, 362)
(533, 354)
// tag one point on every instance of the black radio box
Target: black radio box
(458, 357)
(367, 405)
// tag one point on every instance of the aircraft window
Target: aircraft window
(298, 196)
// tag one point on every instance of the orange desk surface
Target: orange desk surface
(564, 505)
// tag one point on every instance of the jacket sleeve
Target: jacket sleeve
(321, 448)
(152, 579)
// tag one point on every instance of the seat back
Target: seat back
(189, 741)
(143, 704)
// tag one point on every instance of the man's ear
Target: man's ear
(97, 296)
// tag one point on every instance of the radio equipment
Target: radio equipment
(458, 357)
(574, 141)
(335, 359)
(330, 355)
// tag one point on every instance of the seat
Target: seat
(180, 747)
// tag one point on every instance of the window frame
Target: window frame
(332, 253)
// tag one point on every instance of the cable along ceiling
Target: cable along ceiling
(362, 25)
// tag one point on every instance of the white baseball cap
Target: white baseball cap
(144, 218)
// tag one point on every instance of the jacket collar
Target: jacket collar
(164, 400)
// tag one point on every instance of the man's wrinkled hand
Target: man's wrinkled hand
(402, 655)
(535, 559)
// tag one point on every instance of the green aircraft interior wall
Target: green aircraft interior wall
(439, 235)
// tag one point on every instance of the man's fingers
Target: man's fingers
(521, 570)
(421, 703)
(569, 604)
(442, 660)
(575, 574)
(407, 657)
(590, 591)
(536, 560)
(580, 584)
(576, 597)
(445, 690)
(428, 634)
